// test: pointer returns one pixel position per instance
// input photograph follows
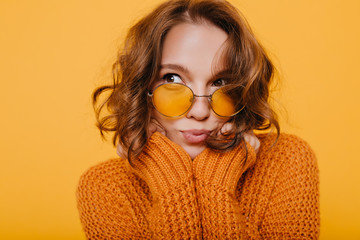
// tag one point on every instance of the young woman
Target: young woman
(190, 86)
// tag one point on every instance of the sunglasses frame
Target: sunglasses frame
(209, 97)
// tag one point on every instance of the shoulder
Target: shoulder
(288, 173)
(287, 144)
(288, 150)
(110, 199)
(285, 140)
(110, 178)
(286, 167)
(107, 171)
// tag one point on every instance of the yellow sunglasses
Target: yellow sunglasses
(175, 99)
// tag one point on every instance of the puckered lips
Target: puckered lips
(195, 136)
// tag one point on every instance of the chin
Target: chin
(194, 151)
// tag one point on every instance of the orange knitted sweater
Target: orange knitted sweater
(274, 194)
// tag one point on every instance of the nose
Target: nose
(200, 110)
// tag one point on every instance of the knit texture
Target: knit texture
(273, 194)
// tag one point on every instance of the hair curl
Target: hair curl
(137, 67)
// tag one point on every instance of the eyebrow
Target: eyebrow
(186, 71)
(176, 67)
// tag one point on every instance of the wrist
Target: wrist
(162, 164)
(224, 168)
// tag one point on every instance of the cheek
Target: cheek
(165, 123)
(218, 120)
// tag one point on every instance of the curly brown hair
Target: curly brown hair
(137, 67)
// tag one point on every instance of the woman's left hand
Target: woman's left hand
(252, 140)
(249, 137)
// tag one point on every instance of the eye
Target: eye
(172, 78)
(219, 82)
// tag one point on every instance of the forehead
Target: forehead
(195, 46)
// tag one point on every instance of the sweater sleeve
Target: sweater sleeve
(160, 203)
(167, 169)
(217, 175)
(293, 208)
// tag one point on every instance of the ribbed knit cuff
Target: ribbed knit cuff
(224, 169)
(163, 164)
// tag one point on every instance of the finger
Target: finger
(152, 129)
(257, 146)
(120, 151)
(226, 128)
(155, 126)
(250, 138)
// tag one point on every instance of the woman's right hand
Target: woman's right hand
(155, 126)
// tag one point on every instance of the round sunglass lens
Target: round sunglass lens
(172, 99)
(222, 104)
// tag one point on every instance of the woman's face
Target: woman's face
(193, 55)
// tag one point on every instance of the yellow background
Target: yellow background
(54, 53)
